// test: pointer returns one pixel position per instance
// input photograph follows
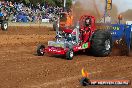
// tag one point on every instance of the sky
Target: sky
(123, 5)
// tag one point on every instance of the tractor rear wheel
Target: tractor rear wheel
(40, 50)
(101, 43)
(69, 54)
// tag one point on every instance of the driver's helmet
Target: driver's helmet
(87, 21)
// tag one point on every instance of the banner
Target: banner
(108, 4)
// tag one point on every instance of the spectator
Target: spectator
(29, 13)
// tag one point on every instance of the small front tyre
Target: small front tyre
(40, 50)
(69, 54)
(4, 26)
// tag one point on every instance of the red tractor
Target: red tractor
(84, 36)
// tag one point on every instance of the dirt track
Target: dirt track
(21, 68)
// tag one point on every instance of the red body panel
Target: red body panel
(68, 31)
(62, 51)
(55, 50)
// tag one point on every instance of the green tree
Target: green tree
(51, 2)
(27, 1)
(69, 3)
(61, 3)
(43, 1)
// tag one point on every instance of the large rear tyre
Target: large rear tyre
(69, 54)
(4, 26)
(101, 43)
(40, 50)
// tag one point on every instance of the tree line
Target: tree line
(51, 2)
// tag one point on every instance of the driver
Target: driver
(86, 30)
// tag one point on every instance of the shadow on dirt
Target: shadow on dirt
(58, 56)
(35, 54)
(79, 53)
(84, 52)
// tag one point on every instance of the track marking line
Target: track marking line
(84, 61)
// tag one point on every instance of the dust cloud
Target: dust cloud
(127, 15)
(97, 8)
(87, 7)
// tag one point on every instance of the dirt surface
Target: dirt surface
(21, 68)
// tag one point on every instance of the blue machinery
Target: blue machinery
(118, 32)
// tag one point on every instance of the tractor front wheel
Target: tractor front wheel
(69, 54)
(4, 26)
(101, 43)
(40, 50)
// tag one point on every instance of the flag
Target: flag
(109, 4)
